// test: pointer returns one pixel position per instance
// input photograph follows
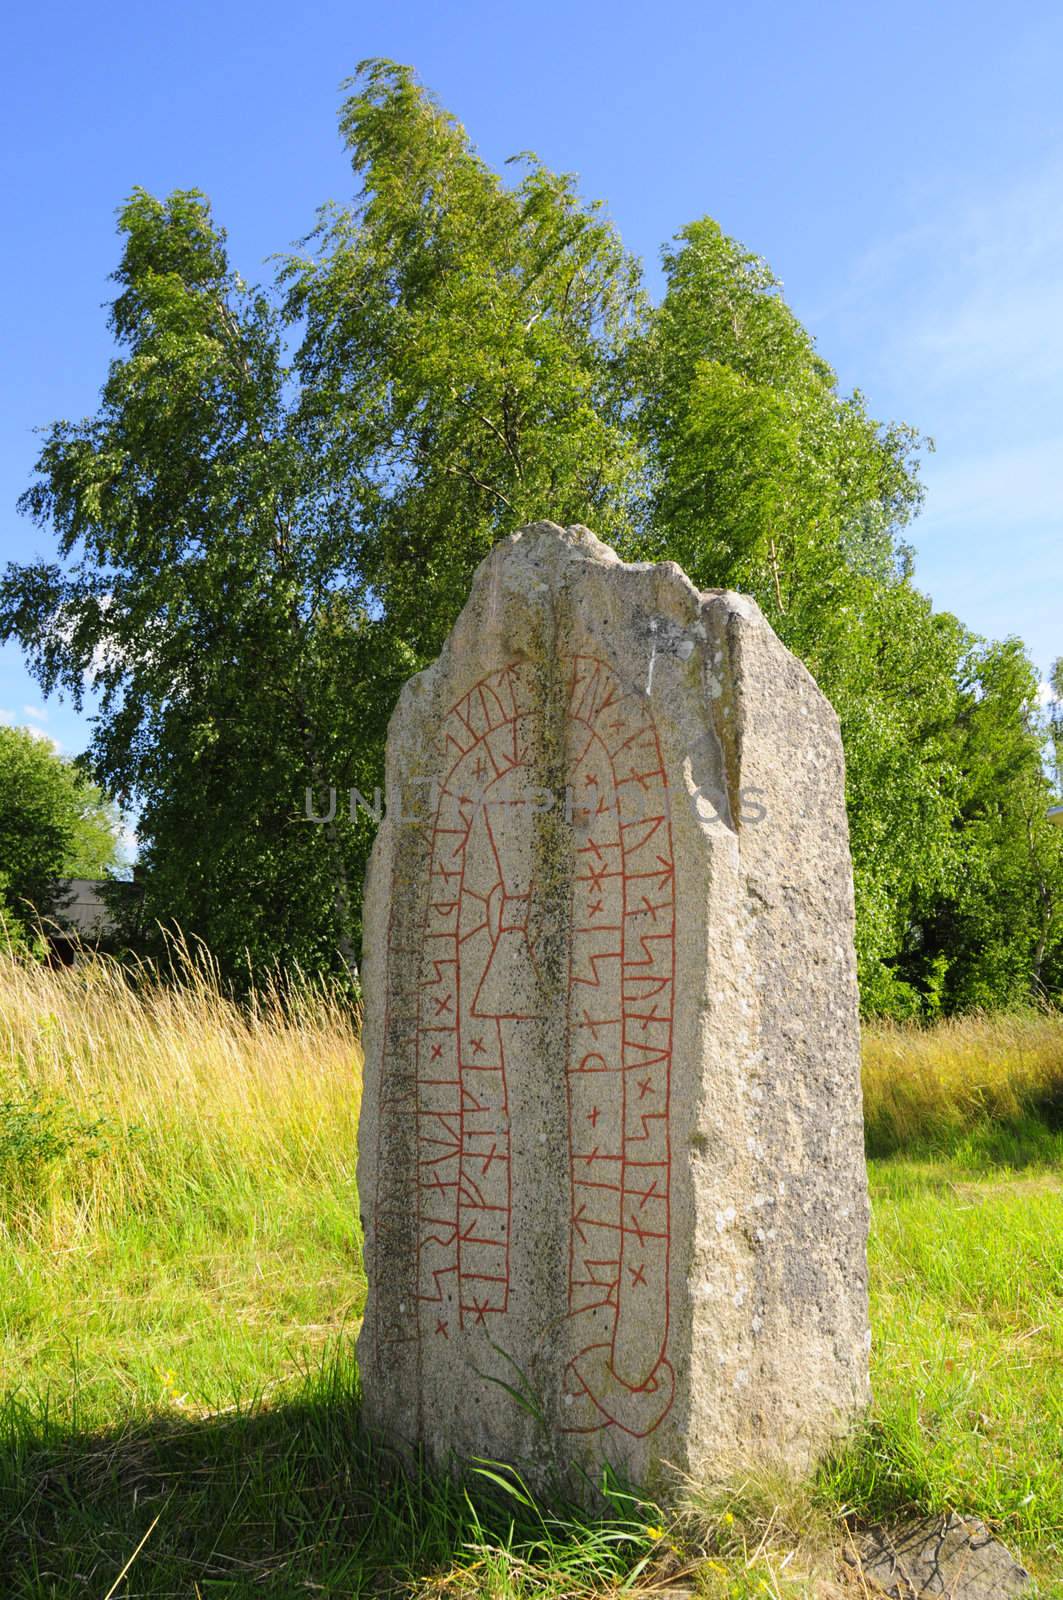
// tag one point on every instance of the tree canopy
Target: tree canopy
(54, 823)
(273, 517)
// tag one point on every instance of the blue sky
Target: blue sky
(901, 168)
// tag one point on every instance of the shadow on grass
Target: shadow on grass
(1016, 1144)
(279, 1501)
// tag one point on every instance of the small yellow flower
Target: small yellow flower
(728, 1518)
(653, 1532)
(168, 1379)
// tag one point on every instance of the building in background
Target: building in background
(86, 915)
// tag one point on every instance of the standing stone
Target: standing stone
(611, 1157)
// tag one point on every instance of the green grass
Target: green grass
(967, 1318)
(178, 1218)
(180, 1284)
(278, 1500)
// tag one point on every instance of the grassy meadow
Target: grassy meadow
(180, 1285)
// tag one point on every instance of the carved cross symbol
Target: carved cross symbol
(645, 1086)
(602, 1022)
(596, 906)
(593, 1115)
(441, 1327)
(437, 1051)
(478, 1046)
(444, 1004)
(480, 1307)
(637, 1277)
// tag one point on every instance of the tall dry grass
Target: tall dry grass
(184, 1087)
(931, 1085)
(125, 1095)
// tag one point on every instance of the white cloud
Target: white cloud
(1014, 484)
(35, 713)
(128, 842)
(972, 291)
(956, 323)
(105, 654)
(9, 720)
